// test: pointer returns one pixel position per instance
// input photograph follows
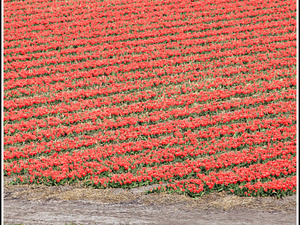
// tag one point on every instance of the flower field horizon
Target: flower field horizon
(197, 96)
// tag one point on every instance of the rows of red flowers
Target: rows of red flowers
(198, 96)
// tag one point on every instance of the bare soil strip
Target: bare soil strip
(28, 204)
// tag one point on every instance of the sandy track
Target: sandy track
(78, 205)
(82, 212)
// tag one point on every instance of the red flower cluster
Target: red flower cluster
(126, 94)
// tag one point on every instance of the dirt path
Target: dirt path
(78, 205)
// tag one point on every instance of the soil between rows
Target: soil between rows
(74, 204)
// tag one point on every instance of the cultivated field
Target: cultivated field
(194, 98)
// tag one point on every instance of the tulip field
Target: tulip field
(194, 96)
